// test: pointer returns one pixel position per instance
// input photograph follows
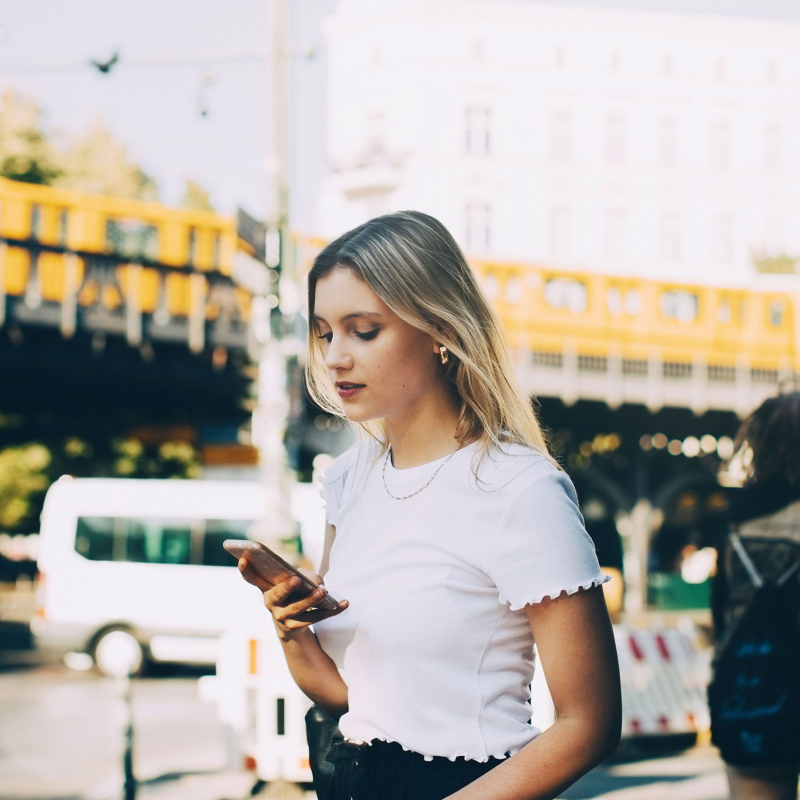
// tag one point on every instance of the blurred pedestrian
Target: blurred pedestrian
(754, 695)
(453, 533)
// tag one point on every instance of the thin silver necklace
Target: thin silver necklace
(405, 497)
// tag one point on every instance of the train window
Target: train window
(133, 239)
(36, 221)
(217, 250)
(682, 306)
(193, 247)
(776, 313)
(62, 227)
(566, 293)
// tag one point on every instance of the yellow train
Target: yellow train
(126, 266)
(549, 311)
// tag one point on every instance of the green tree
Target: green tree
(23, 482)
(97, 162)
(26, 154)
(196, 197)
(93, 161)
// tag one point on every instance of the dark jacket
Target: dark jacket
(766, 516)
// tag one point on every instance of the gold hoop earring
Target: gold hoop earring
(445, 356)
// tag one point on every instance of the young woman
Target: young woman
(765, 516)
(454, 536)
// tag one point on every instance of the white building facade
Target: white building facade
(629, 142)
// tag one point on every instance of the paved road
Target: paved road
(61, 739)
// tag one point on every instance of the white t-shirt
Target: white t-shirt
(435, 648)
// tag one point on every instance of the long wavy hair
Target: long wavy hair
(414, 265)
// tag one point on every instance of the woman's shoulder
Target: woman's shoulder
(514, 467)
(348, 461)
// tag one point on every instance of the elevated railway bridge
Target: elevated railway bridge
(120, 316)
(642, 384)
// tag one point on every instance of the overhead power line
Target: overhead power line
(117, 62)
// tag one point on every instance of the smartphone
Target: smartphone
(274, 569)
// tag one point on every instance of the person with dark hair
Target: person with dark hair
(754, 696)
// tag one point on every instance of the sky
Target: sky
(169, 67)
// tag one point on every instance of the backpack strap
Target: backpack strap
(788, 574)
(755, 575)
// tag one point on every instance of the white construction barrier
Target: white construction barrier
(663, 675)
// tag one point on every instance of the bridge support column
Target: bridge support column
(744, 389)
(699, 385)
(655, 381)
(636, 531)
(3, 249)
(570, 390)
(133, 306)
(197, 313)
(614, 387)
(69, 302)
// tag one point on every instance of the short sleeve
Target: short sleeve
(333, 482)
(541, 547)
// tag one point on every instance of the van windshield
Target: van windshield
(152, 540)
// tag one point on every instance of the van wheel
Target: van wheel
(117, 653)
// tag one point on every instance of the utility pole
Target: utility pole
(269, 417)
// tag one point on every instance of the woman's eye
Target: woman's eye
(326, 337)
(367, 336)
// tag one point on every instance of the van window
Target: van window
(158, 541)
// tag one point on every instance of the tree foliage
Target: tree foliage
(93, 161)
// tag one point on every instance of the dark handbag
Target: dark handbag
(322, 731)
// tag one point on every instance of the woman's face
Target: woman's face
(382, 366)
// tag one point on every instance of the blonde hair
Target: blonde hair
(414, 265)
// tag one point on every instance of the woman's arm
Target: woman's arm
(576, 645)
(312, 669)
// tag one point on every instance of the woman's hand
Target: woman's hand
(290, 616)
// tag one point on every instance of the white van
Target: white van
(140, 563)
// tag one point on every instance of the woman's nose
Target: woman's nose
(337, 357)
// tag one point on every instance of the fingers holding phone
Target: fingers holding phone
(287, 595)
(292, 613)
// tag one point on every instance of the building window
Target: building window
(477, 227)
(615, 140)
(560, 231)
(668, 143)
(615, 234)
(670, 237)
(773, 148)
(721, 155)
(478, 131)
(772, 72)
(774, 237)
(36, 221)
(560, 137)
(723, 239)
(476, 50)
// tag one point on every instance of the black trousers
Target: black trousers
(384, 771)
